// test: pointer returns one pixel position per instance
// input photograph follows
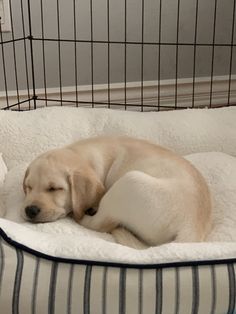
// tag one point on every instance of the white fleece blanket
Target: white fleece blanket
(3, 172)
(208, 135)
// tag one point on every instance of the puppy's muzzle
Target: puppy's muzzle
(32, 211)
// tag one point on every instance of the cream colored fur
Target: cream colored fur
(119, 176)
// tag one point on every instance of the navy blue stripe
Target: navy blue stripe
(140, 296)
(87, 284)
(213, 289)
(122, 291)
(232, 290)
(2, 263)
(195, 285)
(52, 288)
(177, 291)
(158, 291)
(104, 291)
(17, 283)
(35, 286)
(69, 291)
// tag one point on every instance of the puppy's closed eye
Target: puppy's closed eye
(52, 189)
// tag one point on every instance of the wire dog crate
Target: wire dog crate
(138, 55)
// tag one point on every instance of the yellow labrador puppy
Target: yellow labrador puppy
(142, 193)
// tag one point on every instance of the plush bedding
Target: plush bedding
(61, 267)
(23, 135)
(3, 172)
(190, 131)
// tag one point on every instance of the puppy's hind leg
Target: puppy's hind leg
(186, 235)
(126, 238)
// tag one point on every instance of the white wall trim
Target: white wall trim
(150, 92)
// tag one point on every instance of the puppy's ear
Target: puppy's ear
(26, 175)
(86, 192)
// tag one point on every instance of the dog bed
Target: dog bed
(61, 267)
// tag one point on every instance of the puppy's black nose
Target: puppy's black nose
(32, 211)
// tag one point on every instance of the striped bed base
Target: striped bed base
(31, 282)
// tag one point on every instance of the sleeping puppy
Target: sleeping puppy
(142, 193)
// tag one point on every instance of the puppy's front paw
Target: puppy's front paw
(97, 222)
(87, 222)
